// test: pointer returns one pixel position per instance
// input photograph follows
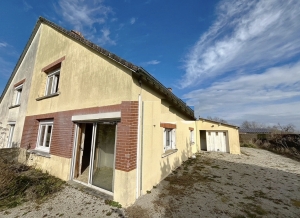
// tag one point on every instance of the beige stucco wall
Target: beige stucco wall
(54, 165)
(155, 167)
(233, 134)
(125, 187)
(17, 114)
(92, 79)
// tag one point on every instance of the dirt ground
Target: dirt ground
(256, 183)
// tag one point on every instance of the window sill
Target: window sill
(13, 106)
(169, 152)
(48, 96)
(39, 153)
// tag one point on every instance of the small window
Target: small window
(208, 133)
(44, 135)
(217, 133)
(52, 82)
(10, 135)
(169, 139)
(224, 133)
(192, 137)
(17, 98)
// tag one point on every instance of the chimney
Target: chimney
(77, 33)
(170, 89)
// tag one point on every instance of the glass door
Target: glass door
(103, 156)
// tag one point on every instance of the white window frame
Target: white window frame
(171, 135)
(42, 146)
(55, 81)
(192, 137)
(18, 92)
(10, 135)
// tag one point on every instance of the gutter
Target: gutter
(138, 156)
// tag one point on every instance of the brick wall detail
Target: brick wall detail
(168, 125)
(63, 129)
(127, 130)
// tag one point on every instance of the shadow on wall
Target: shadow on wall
(166, 167)
(3, 135)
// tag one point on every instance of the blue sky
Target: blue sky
(237, 60)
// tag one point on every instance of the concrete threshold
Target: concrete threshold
(90, 190)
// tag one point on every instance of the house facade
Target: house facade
(14, 99)
(99, 120)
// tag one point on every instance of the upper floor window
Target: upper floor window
(17, 94)
(52, 82)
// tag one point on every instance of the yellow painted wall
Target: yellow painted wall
(155, 167)
(125, 187)
(92, 79)
(54, 165)
(233, 134)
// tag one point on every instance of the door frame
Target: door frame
(75, 147)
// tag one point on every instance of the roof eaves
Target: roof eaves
(90, 44)
(36, 27)
(171, 97)
(217, 122)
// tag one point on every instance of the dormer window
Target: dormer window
(52, 82)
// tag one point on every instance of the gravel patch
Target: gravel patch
(256, 183)
(70, 202)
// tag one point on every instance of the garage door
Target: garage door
(216, 141)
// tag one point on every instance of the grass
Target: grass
(20, 183)
(113, 203)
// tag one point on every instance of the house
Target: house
(14, 98)
(214, 136)
(97, 119)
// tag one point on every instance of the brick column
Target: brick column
(126, 147)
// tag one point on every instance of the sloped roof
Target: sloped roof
(139, 71)
(217, 122)
(255, 130)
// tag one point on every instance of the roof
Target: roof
(217, 122)
(255, 130)
(138, 71)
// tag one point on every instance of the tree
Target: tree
(289, 128)
(252, 125)
(217, 119)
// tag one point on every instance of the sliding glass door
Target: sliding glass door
(95, 155)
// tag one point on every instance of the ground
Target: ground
(256, 183)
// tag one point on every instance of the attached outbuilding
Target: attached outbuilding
(217, 136)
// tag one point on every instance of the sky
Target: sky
(233, 59)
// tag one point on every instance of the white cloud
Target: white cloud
(3, 44)
(270, 97)
(153, 62)
(132, 20)
(247, 35)
(84, 16)
(27, 6)
(105, 39)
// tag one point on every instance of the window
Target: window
(44, 136)
(169, 139)
(192, 137)
(52, 82)
(17, 94)
(10, 135)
